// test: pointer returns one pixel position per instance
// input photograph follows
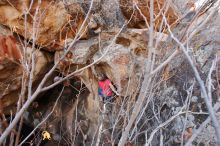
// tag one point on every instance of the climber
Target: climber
(105, 88)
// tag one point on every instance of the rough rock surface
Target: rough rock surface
(53, 23)
(11, 69)
(78, 111)
(136, 13)
(123, 58)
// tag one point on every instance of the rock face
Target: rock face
(9, 49)
(123, 58)
(123, 63)
(11, 77)
(78, 111)
(204, 49)
(11, 69)
(136, 10)
(47, 22)
(80, 53)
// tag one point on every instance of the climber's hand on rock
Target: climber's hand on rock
(117, 93)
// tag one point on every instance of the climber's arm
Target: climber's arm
(113, 89)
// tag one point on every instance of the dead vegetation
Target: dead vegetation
(164, 64)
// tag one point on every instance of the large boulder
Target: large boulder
(12, 70)
(47, 22)
(135, 11)
(122, 60)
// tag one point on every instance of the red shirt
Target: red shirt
(105, 86)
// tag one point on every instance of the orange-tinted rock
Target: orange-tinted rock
(9, 49)
(137, 21)
(11, 69)
(48, 22)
